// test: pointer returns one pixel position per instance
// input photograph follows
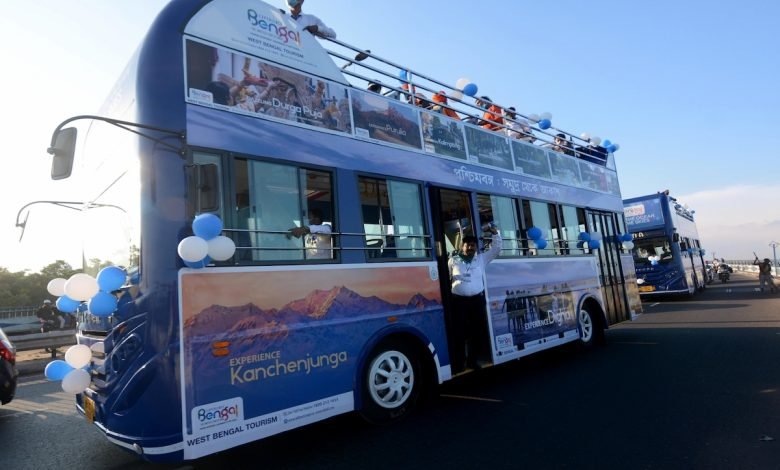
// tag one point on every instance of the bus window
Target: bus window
(573, 224)
(543, 216)
(392, 219)
(501, 211)
(272, 198)
(202, 158)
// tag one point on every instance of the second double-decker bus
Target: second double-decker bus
(229, 109)
(667, 252)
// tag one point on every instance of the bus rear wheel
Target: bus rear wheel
(391, 383)
(591, 332)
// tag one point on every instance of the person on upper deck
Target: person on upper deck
(441, 106)
(422, 101)
(517, 127)
(561, 145)
(308, 22)
(492, 118)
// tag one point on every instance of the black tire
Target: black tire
(392, 382)
(591, 331)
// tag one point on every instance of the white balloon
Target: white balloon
(462, 82)
(56, 287)
(76, 381)
(81, 287)
(547, 116)
(221, 248)
(595, 140)
(628, 245)
(533, 118)
(457, 94)
(98, 347)
(78, 356)
(193, 249)
(585, 136)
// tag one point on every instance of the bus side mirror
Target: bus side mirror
(203, 187)
(63, 151)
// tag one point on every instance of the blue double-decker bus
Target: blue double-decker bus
(229, 109)
(667, 252)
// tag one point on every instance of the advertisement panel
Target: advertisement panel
(564, 169)
(443, 136)
(489, 148)
(238, 83)
(531, 160)
(268, 349)
(642, 215)
(264, 31)
(383, 119)
(528, 311)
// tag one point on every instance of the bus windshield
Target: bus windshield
(647, 248)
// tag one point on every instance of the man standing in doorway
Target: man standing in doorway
(469, 323)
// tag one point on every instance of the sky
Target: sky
(688, 89)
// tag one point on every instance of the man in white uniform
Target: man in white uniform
(310, 23)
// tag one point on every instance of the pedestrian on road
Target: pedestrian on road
(765, 274)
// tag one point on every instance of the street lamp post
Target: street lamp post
(774, 253)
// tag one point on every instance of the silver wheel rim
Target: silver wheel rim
(390, 379)
(586, 323)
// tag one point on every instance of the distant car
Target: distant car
(8, 371)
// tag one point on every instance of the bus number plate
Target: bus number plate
(646, 288)
(89, 409)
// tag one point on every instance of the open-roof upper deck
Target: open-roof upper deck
(299, 82)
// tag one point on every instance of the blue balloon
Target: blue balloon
(56, 370)
(611, 148)
(534, 233)
(594, 244)
(403, 75)
(102, 304)
(606, 143)
(470, 89)
(654, 262)
(541, 243)
(66, 304)
(111, 278)
(206, 226)
(544, 124)
(626, 237)
(198, 264)
(584, 236)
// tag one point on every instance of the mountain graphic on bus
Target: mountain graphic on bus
(334, 304)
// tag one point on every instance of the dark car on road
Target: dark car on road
(8, 371)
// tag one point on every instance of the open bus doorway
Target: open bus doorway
(452, 220)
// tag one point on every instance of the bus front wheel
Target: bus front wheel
(391, 383)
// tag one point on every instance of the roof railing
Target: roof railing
(412, 82)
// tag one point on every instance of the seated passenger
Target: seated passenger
(422, 101)
(517, 127)
(561, 145)
(440, 99)
(492, 118)
(317, 236)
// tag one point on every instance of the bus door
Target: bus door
(610, 269)
(452, 220)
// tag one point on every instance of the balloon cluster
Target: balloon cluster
(610, 146)
(596, 141)
(544, 120)
(81, 287)
(535, 234)
(207, 244)
(626, 241)
(73, 371)
(464, 86)
(590, 241)
(653, 260)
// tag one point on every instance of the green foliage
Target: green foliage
(25, 288)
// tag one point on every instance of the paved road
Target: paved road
(691, 384)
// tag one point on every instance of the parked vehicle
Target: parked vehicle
(8, 371)
(709, 272)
